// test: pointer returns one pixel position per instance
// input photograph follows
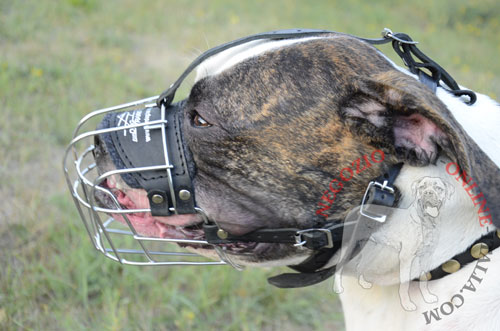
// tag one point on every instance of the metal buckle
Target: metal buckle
(299, 242)
(388, 34)
(362, 210)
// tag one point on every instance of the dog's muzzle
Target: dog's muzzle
(144, 143)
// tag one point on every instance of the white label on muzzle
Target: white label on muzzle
(131, 118)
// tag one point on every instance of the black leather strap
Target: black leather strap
(310, 272)
(144, 147)
(492, 240)
(167, 96)
(296, 280)
(314, 239)
(407, 50)
(402, 44)
(381, 197)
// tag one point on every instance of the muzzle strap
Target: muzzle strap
(296, 280)
(150, 144)
(315, 239)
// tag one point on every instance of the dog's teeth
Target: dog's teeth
(119, 186)
(111, 182)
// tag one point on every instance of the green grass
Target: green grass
(61, 59)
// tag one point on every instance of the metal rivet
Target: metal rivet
(498, 233)
(451, 266)
(184, 195)
(426, 276)
(157, 199)
(479, 250)
(222, 234)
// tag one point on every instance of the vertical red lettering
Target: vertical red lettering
(448, 168)
(320, 211)
(469, 189)
(483, 220)
(479, 196)
(463, 176)
(382, 156)
(481, 207)
(368, 164)
(326, 197)
(342, 174)
(340, 186)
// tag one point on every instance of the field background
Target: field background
(61, 59)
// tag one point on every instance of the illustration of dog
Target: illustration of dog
(430, 195)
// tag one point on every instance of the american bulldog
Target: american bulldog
(269, 123)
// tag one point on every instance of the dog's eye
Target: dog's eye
(199, 121)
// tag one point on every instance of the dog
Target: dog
(269, 123)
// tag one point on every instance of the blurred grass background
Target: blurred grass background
(61, 59)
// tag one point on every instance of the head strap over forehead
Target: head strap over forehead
(402, 44)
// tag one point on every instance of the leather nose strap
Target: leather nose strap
(145, 146)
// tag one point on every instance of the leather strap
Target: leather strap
(407, 50)
(150, 146)
(381, 197)
(296, 280)
(492, 240)
(402, 44)
(309, 271)
(314, 239)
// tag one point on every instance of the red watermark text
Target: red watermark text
(469, 184)
(346, 174)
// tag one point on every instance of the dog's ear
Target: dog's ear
(414, 187)
(395, 111)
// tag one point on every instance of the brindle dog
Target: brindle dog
(268, 133)
(270, 123)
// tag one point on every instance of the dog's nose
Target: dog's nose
(101, 155)
(99, 149)
(429, 193)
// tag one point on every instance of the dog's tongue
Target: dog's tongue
(161, 227)
(432, 211)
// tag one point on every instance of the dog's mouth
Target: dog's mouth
(431, 207)
(181, 227)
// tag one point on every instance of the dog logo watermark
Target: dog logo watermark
(430, 194)
(406, 243)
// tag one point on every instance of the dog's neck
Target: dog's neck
(481, 121)
(458, 223)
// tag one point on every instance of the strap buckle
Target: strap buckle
(388, 34)
(300, 242)
(363, 210)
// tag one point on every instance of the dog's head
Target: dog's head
(430, 194)
(268, 125)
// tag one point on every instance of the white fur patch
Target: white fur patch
(481, 121)
(234, 55)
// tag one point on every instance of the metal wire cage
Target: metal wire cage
(117, 240)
